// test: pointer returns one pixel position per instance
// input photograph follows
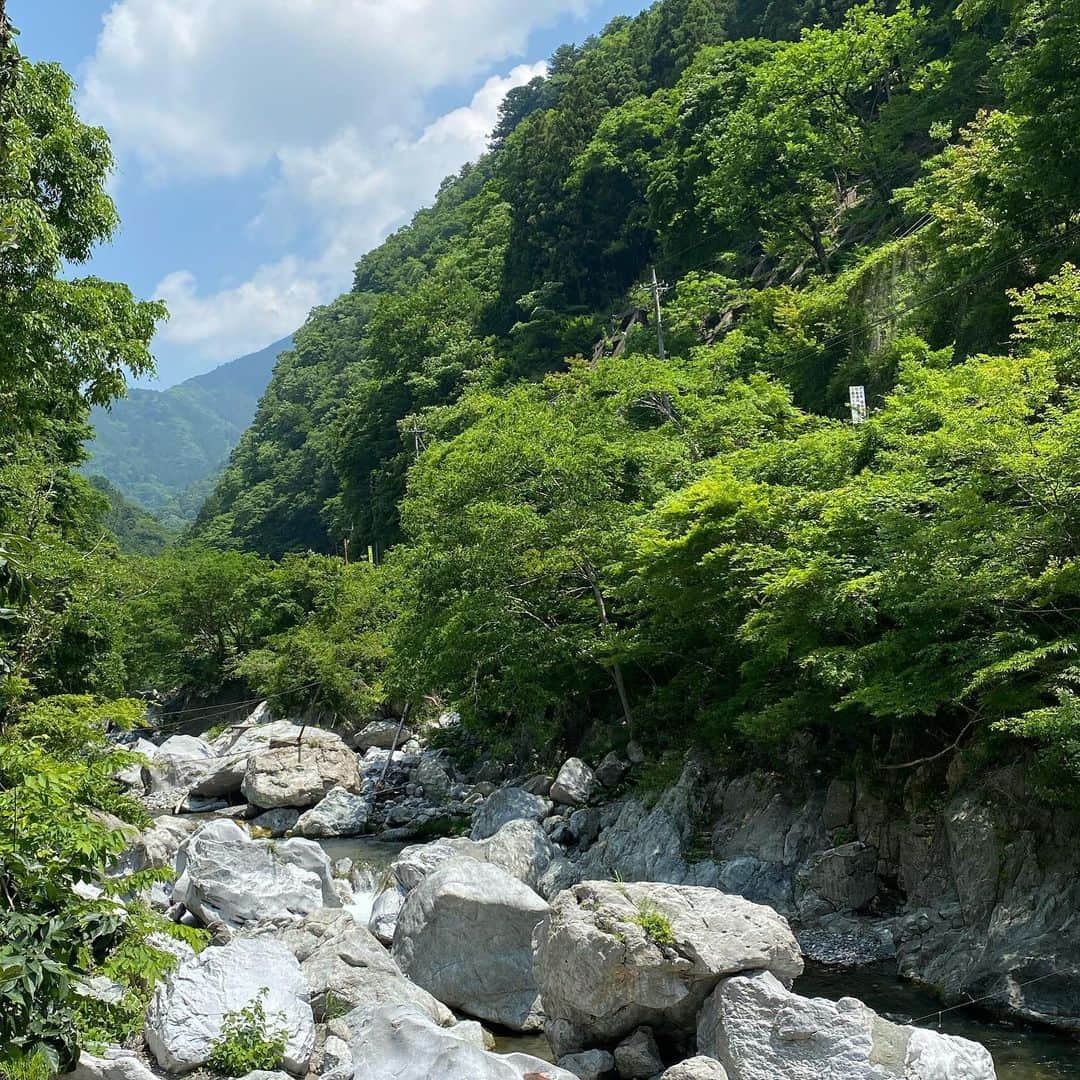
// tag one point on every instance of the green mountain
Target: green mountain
(160, 448)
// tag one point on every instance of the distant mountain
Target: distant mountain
(161, 448)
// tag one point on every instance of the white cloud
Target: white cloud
(220, 87)
(352, 192)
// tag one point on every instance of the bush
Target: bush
(246, 1042)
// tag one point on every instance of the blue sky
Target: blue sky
(264, 145)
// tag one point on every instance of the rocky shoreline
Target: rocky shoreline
(644, 941)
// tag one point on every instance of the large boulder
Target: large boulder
(188, 1008)
(574, 784)
(399, 1042)
(302, 772)
(382, 735)
(180, 762)
(508, 804)
(226, 877)
(759, 1031)
(611, 957)
(345, 967)
(341, 813)
(465, 935)
(232, 748)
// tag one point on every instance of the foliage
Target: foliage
(248, 1041)
(656, 924)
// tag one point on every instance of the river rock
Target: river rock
(399, 1042)
(158, 846)
(637, 1057)
(341, 813)
(113, 1064)
(612, 770)
(840, 879)
(385, 909)
(465, 935)
(300, 775)
(508, 804)
(277, 822)
(380, 734)
(180, 762)
(345, 966)
(433, 778)
(696, 1068)
(574, 783)
(226, 877)
(601, 976)
(759, 1031)
(188, 1007)
(232, 749)
(589, 1064)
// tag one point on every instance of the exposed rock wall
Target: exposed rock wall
(967, 880)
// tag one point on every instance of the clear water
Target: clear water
(1020, 1052)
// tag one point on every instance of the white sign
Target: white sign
(859, 412)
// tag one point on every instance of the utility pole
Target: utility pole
(658, 288)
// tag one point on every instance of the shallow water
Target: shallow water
(1020, 1052)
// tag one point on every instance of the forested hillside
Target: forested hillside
(163, 448)
(702, 544)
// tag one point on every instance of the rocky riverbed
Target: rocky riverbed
(634, 940)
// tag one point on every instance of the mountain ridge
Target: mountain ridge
(154, 446)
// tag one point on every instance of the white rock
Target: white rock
(188, 1008)
(342, 961)
(341, 813)
(234, 746)
(381, 734)
(401, 1043)
(601, 976)
(227, 877)
(300, 773)
(759, 1030)
(696, 1068)
(113, 1064)
(574, 784)
(465, 934)
(180, 762)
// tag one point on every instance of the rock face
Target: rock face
(637, 1057)
(226, 877)
(589, 1064)
(301, 773)
(759, 1031)
(401, 1043)
(342, 961)
(601, 975)
(508, 804)
(465, 935)
(341, 813)
(575, 783)
(186, 1013)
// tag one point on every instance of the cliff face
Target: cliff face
(974, 890)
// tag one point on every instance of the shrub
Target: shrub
(246, 1042)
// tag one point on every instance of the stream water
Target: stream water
(1020, 1052)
